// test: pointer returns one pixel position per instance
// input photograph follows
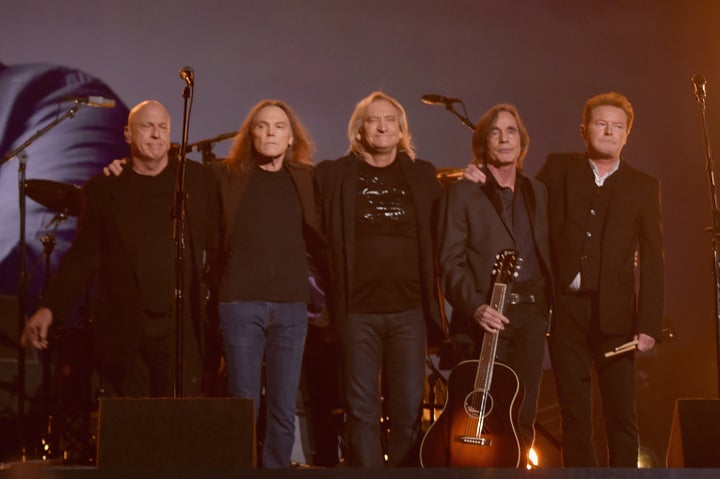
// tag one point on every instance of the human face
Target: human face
(271, 132)
(504, 145)
(606, 132)
(148, 133)
(381, 127)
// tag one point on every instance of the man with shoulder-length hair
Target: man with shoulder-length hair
(508, 211)
(269, 230)
(376, 205)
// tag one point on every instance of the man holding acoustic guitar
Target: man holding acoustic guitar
(477, 222)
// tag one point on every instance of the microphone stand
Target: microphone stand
(48, 241)
(715, 228)
(179, 238)
(463, 118)
(449, 107)
(22, 156)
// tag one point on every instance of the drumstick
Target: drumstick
(623, 348)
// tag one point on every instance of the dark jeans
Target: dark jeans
(575, 344)
(253, 330)
(393, 343)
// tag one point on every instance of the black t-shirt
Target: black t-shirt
(386, 272)
(155, 246)
(267, 259)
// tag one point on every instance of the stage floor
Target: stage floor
(31, 470)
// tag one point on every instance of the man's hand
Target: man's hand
(115, 168)
(645, 342)
(472, 172)
(36, 329)
(490, 319)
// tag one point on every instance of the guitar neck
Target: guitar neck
(483, 378)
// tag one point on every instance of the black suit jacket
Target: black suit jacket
(472, 233)
(336, 181)
(106, 241)
(633, 223)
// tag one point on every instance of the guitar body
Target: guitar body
(454, 441)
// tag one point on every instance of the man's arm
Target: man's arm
(651, 294)
(80, 262)
(36, 329)
(472, 172)
(115, 167)
(457, 278)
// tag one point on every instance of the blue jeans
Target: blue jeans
(253, 330)
(393, 343)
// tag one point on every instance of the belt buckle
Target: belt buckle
(516, 298)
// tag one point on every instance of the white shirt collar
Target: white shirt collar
(600, 180)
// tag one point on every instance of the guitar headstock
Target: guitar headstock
(506, 266)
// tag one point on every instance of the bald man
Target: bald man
(125, 237)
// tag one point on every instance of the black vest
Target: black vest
(591, 255)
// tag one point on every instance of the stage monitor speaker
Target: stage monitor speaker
(176, 434)
(695, 434)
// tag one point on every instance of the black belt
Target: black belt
(517, 298)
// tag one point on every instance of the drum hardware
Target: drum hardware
(62, 430)
(205, 147)
(61, 198)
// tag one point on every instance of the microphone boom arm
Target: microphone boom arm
(448, 102)
(463, 119)
(71, 112)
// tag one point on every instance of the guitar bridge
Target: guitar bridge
(478, 441)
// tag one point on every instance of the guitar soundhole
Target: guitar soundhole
(474, 406)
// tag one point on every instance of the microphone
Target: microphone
(699, 83)
(188, 74)
(94, 101)
(439, 100)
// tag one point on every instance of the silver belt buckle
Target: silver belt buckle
(516, 298)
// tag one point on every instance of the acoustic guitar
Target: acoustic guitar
(478, 425)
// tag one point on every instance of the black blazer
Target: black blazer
(633, 223)
(336, 184)
(472, 233)
(106, 241)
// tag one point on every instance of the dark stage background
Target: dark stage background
(545, 56)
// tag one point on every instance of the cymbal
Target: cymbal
(59, 197)
(449, 175)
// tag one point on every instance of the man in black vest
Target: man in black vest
(604, 217)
